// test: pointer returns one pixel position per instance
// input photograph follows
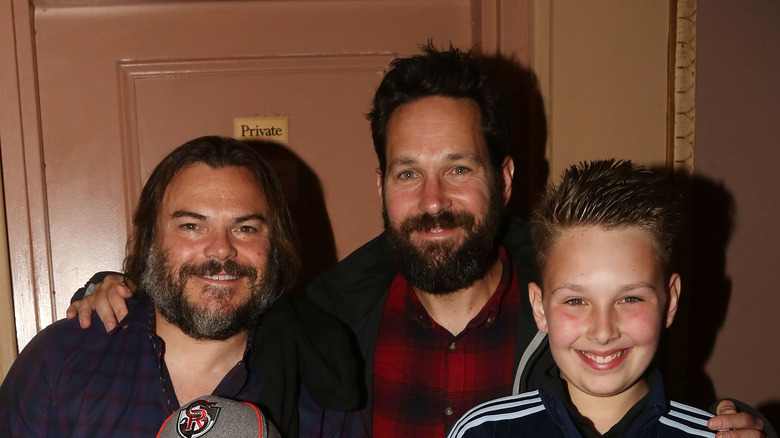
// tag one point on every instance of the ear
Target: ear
(379, 184)
(672, 298)
(535, 297)
(507, 173)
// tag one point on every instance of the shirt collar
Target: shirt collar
(487, 315)
(554, 384)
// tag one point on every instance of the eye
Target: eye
(575, 301)
(407, 174)
(247, 229)
(460, 170)
(189, 227)
(631, 300)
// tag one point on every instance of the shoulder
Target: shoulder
(50, 369)
(372, 259)
(686, 420)
(512, 411)
(65, 345)
(43, 356)
(355, 284)
(297, 332)
(61, 337)
(674, 419)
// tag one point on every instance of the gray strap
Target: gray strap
(529, 351)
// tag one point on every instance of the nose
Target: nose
(220, 245)
(602, 326)
(434, 197)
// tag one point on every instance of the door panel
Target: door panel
(122, 84)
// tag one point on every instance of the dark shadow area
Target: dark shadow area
(771, 411)
(706, 291)
(706, 294)
(527, 130)
(304, 196)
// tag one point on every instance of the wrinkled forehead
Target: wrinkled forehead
(435, 127)
(201, 186)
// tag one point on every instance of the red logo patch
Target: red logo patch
(197, 418)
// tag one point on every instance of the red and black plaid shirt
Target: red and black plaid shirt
(424, 377)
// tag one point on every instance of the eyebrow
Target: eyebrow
(405, 161)
(625, 288)
(568, 286)
(200, 217)
(253, 216)
(186, 213)
(638, 285)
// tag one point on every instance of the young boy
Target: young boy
(604, 239)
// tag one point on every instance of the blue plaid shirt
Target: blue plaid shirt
(74, 382)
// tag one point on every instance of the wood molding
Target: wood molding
(23, 175)
(682, 79)
(503, 27)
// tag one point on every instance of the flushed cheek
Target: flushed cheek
(643, 327)
(181, 250)
(563, 322)
(256, 253)
(565, 330)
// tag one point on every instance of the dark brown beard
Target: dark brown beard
(445, 267)
(167, 289)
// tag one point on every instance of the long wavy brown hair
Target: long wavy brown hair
(216, 152)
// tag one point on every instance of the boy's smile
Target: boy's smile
(604, 305)
(605, 361)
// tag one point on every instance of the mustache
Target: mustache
(214, 267)
(444, 219)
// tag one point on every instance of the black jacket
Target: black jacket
(355, 291)
(548, 413)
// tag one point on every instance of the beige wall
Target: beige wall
(738, 146)
(602, 69)
(8, 118)
(7, 328)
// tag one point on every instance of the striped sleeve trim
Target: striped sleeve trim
(688, 419)
(685, 408)
(500, 409)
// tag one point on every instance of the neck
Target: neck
(605, 412)
(208, 359)
(454, 310)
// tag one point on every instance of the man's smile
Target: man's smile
(220, 277)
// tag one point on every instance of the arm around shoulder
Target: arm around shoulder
(106, 293)
(738, 419)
